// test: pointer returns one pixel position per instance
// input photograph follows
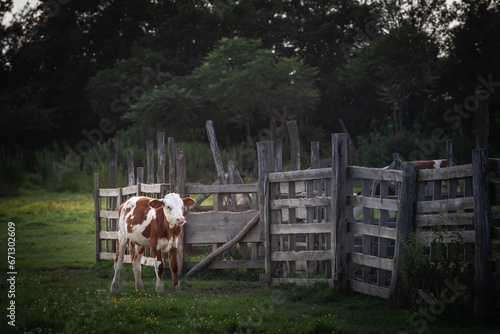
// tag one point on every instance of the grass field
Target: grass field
(58, 288)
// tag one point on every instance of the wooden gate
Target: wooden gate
(299, 226)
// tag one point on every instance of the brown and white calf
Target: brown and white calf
(147, 222)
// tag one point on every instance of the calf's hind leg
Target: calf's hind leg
(136, 252)
(118, 263)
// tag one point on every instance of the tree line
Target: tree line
(402, 75)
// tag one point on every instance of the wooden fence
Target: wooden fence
(307, 230)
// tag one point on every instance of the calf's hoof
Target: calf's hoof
(177, 288)
(160, 289)
(113, 288)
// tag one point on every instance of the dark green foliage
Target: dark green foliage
(446, 276)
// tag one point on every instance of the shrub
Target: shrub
(446, 275)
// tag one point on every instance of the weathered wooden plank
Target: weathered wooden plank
(293, 203)
(218, 227)
(445, 219)
(445, 205)
(301, 228)
(108, 214)
(97, 219)
(131, 190)
(108, 192)
(301, 175)
(374, 202)
(192, 188)
(339, 237)
(113, 162)
(160, 144)
(293, 132)
(150, 188)
(171, 162)
(150, 162)
(429, 236)
(130, 167)
(300, 281)
(301, 256)
(372, 261)
(214, 147)
(397, 296)
(453, 172)
(108, 235)
(373, 230)
(369, 289)
(235, 264)
(227, 245)
(375, 173)
(482, 245)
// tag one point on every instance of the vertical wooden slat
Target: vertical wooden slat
(180, 183)
(130, 167)
(180, 188)
(293, 132)
(171, 163)
(160, 173)
(140, 179)
(382, 242)
(113, 162)
(97, 218)
(404, 226)
(482, 246)
(368, 217)
(312, 190)
(113, 182)
(218, 161)
(230, 171)
(339, 238)
(265, 151)
(151, 162)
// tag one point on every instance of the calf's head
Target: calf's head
(173, 208)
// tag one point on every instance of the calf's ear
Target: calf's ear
(155, 203)
(188, 201)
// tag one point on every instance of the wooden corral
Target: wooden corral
(299, 226)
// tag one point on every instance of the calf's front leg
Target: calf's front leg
(172, 261)
(159, 266)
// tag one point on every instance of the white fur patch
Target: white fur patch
(166, 245)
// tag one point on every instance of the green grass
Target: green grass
(59, 289)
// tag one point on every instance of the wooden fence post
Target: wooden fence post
(140, 179)
(339, 238)
(130, 167)
(293, 132)
(218, 161)
(113, 182)
(97, 218)
(150, 162)
(266, 158)
(171, 163)
(181, 190)
(482, 243)
(404, 226)
(160, 173)
(113, 162)
(312, 190)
